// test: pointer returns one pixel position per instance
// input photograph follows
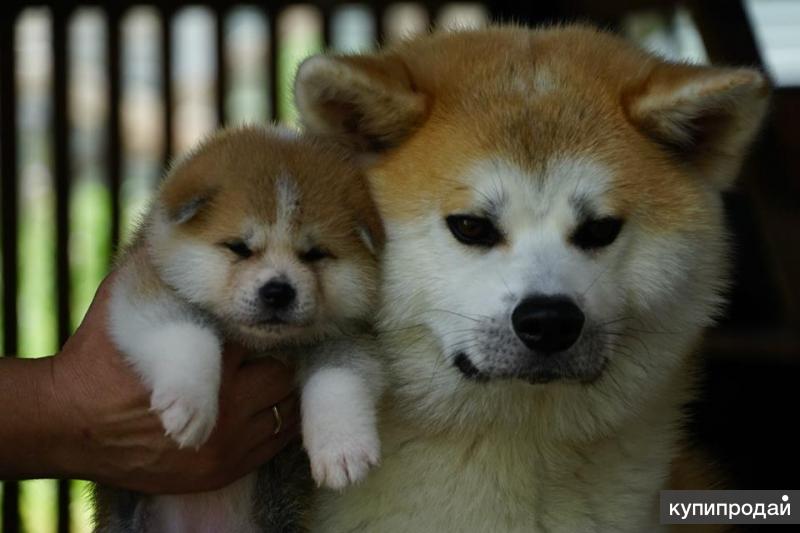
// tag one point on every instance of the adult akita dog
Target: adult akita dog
(555, 248)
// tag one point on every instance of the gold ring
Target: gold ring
(278, 420)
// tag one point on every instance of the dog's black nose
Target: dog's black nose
(277, 295)
(547, 324)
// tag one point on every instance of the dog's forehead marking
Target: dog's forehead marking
(259, 233)
(254, 232)
(501, 187)
(541, 82)
(581, 180)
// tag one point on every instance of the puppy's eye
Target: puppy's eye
(314, 254)
(239, 248)
(597, 233)
(474, 231)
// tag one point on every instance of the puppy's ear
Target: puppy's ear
(369, 101)
(705, 116)
(184, 197)
(189, 209)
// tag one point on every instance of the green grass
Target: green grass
(81, 507)
(90, 243)
(37, 327)
(294, 49)
(36, 298)
(90, 249)
(37, 504)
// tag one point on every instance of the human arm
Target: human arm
(82, 413)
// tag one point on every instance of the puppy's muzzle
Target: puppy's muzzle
(277, 295)
(548, 324)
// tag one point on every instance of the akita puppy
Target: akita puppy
(555, 247)
(267, 238)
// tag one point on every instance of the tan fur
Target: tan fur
(252, 211)
(146, 283)
(597, 90)
(321, 171)
(668, 137)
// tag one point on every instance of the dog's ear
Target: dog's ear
(706, 116)
(368, 101)
(371, 232)
(368, 223)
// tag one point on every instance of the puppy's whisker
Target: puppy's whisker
(399, 330)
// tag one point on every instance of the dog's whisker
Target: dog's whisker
(462, 315)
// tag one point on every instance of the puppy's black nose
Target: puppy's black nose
(277, 295)
(547, 324)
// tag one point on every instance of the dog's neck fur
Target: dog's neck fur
(496, 466)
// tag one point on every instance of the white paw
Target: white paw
(188, 415)
(341, 459)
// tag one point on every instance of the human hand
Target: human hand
(108, 434)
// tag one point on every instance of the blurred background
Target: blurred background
(95, 99)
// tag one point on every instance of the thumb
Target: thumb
(262, 383)
(233, 356)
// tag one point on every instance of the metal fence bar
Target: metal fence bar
(221, 12)
(166, 78)
(326, 12)
(8, 173)
(114, 146)
(61, 180)
(272, 67)
(379, 15)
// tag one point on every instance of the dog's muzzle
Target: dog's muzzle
(546, 340)
(547, 324)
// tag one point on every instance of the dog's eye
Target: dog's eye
(239, 248)
(474, 231)
(597, 233)
(314, 254)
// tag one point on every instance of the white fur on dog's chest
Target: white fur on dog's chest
(498, 483)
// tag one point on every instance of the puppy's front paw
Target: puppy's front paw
(188, 415)
(340, 458)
